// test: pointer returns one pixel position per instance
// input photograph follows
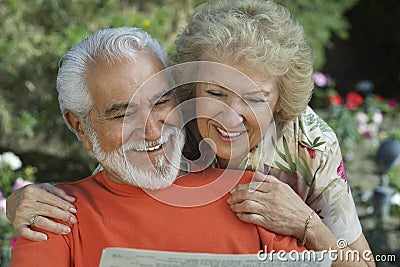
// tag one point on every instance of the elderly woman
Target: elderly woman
(260, 39)
(305, 193)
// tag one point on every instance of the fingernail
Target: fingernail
(72, 199)
(229, 200)
(232, 190)
(66, 230)
(73, 210)
(43, 237)
(72, 219)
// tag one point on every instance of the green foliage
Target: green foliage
(9, 177)
(342, 122)
(7, 234)
(35, 34)
(394, 177)
(321, 19)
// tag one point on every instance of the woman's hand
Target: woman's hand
(43, 200)
(271, 204)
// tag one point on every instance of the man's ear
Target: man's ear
(79, 128)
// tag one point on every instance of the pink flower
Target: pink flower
(13, 240)
(353, 100)
(393, 103)
(342, 173)
(310, 151)
(320, 79)
(20, 183)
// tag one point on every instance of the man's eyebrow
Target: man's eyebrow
(116, 108)
(161, 93)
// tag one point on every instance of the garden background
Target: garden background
(357, 63)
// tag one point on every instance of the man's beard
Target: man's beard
(162, 175)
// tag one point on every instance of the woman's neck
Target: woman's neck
(229, 163)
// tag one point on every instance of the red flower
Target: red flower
(353, 100)
(310, 151)
(342, 173)
(367, 135)
(335, 99)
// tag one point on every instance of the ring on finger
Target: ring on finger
(32, 220)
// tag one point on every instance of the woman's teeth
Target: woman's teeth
(226, 134)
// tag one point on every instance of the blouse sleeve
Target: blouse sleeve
(331, 197)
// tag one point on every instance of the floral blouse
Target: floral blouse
(308, 157)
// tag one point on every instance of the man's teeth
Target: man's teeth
(153, 148)
(226, 134)
(149, 149)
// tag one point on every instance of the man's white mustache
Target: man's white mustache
(143, 145)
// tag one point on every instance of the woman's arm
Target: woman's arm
(274, 205)
(44, 200)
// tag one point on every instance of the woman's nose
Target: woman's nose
(234, 114)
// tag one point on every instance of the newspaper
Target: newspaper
(126, 257)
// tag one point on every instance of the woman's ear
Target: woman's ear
(79, 127)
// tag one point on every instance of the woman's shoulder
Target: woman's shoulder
(313, 130)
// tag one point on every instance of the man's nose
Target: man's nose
(153, 127)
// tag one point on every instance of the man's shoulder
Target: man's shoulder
(210, 175)
(83, 185)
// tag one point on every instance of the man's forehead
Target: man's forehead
(127, 79)
(151, 89)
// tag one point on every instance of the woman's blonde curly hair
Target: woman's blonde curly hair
(256, 33)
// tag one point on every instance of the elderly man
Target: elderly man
(139, 144)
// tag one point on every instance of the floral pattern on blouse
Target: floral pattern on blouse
(309, 159)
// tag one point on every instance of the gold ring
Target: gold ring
(32, 220)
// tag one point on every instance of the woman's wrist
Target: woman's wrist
(319, 236)
(303, 240)
(301, 219)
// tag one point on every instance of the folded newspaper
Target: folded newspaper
(126, 257)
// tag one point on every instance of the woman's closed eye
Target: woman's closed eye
(256, 99)
(217, 93)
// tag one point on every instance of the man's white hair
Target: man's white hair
(112, 44)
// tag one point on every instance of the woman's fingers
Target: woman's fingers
(51, 226)
(40, 200)
(28, 233)
(257, 191)
(253, 218)
(58, 192)
(260, 177)
(53, 212)
(260, 182)
(248, 206)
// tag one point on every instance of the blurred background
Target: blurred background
(357, 90)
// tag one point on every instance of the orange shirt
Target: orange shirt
(118, 215)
